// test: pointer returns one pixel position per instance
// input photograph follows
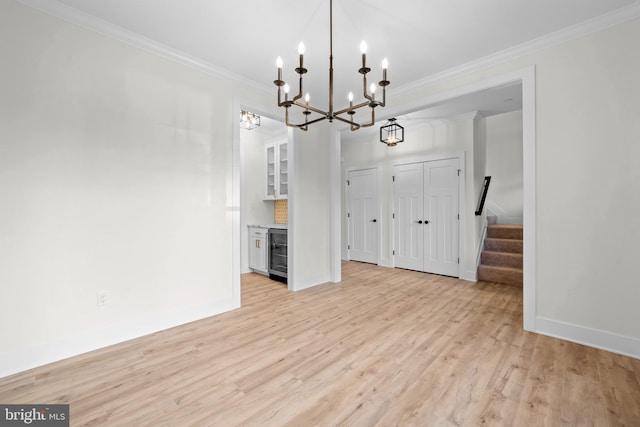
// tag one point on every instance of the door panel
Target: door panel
(363, 216)
(441, 203)
(409, 201)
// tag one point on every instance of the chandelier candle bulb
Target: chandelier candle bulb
(279, 81)
(385, 65)
(301, 53)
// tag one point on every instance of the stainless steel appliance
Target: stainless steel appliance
(278, 254)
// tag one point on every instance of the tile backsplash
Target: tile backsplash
(281, 211)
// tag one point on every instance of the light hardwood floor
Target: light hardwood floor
(383, 347)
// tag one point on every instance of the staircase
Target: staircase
(501, 259)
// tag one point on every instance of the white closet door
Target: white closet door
(426, 224)
(409, 204)
(441, 217)
(363, 216)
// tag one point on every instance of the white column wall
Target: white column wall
(310, 207)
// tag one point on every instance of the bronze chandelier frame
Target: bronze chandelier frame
(330, 114)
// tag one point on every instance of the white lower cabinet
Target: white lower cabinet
(259, 249)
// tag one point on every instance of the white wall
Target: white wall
(588, 198)
(114, 172)
(504, 165)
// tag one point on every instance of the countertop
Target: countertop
(281, 226)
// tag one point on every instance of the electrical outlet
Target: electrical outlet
(102, 298)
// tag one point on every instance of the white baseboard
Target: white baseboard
(310, 283)
(24, 359)
(386, 263)
(470, 275)
(619, 344)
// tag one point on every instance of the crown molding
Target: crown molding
(69, 14)
(100, 26)
(585, 28)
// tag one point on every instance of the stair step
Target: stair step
(504, 275)
(501, 259)
(505, 231)
(503, 245)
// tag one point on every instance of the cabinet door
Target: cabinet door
(257, 254)
(283, 171)
(277, 170)
(258, 249)
(270, 160)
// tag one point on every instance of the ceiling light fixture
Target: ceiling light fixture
(391, 133)
(249, 120)
(331, 115)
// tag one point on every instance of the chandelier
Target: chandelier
(392, 133)
(249, 120)
(344, 115)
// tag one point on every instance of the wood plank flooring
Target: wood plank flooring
(383, 347)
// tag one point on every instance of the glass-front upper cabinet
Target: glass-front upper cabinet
(277, 170)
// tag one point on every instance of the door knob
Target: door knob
(419, 222)
(374, 220)
(426, 222)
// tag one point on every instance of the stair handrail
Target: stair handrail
(483, 195)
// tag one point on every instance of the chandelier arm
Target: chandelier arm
(299, 95)
(354, 125)
(373, 119)
(364, 87)
(292, 125)
(311, 108)
(353, 108)
(303, 126)
(319, 119)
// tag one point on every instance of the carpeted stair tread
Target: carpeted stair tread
(503, 245)
(505, 231)
(501, 259)
(504, 275)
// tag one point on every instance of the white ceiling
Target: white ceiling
(420, 38)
